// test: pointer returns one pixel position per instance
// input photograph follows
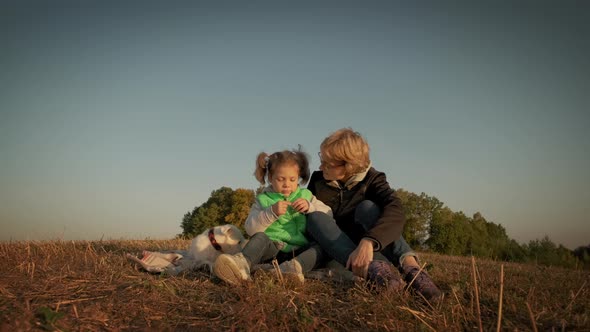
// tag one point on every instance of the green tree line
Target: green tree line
(430, 226)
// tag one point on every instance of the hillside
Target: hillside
(91, 286)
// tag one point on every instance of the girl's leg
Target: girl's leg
(295, 264)
(311, 257)
(234, 269)
(259, 249)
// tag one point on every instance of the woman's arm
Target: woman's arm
(390, 225)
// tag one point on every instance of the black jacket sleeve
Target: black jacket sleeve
(390, 225)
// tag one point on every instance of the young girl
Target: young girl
(277, 220)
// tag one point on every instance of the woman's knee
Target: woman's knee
(367, 207)
(367, 213)
(316, 220)
(316, 217)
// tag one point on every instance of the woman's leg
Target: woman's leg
(323, 229)
(339, 246)
(400, 254)
(367, 213)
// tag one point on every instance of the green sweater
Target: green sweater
(289, 229)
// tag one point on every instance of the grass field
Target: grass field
(87, 286)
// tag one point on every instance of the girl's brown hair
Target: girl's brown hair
(266, 164)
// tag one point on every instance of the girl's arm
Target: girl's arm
(259, 219)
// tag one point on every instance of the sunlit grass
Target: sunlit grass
(79, 285)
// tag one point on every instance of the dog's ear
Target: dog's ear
(229, 229)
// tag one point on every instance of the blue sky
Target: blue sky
(118, 119)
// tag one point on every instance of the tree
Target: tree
(582, 253)
(239, 208)
(187, 224)
(479, 239)
(546, 252)
(224, 206)
(419, 211)
(449, 232)
(429, 225)
(498, 240)
(513, 252)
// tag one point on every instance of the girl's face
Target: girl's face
(332, 170)
(285, 179)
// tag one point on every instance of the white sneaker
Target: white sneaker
(232, 269)
(292, 269)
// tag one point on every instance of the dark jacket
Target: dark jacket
(344, 200)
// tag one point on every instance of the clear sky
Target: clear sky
(116, 120)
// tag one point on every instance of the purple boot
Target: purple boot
(421, 282)
(383, 276)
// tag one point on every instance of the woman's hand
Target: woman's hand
(280, 207)
(301, 205)
(360, 258)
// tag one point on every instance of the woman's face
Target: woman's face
(332, 170)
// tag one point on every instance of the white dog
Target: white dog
(207, 246)
(204, 250)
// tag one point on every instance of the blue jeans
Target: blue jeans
(261, 249)
(323, 229)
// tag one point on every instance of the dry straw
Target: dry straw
(476, 294)
(500, 298)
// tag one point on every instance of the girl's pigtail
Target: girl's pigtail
(261, 167)
(303, 163)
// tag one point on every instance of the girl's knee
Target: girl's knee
(260, 235)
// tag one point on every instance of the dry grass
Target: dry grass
(82, 286)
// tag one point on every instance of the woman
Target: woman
(369, 216)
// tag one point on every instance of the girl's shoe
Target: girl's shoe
(292, 269)
(232, 269)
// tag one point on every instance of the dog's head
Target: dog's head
(230, 238)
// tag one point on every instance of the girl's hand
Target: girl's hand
(301, 205)
(279, 208)
(359, 259)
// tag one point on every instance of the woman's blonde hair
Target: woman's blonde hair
(348, 146)
(266, 164)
